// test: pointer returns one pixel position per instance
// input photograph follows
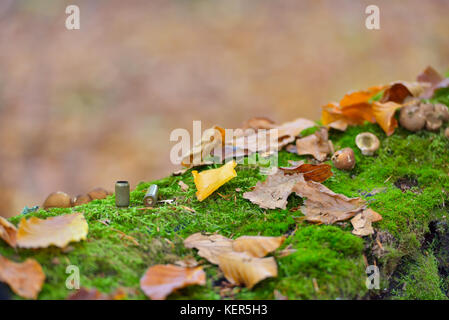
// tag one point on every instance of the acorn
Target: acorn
(98, 193)
(412, 118)
(57, 199)
(81, 199)
(344, 159)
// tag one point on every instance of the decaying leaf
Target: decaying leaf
(58, 231)
(316, 172)
(8, 232)
(25, 279)
(294, 128)
(257, 246)
(183, 185)
(435, 81)
(274, 191)
(362, 222)
(384, 113)
(209, 247)
(211, 139)
(400, 90)
(325, 206)
(161, 280)
(240, 268)
(316, 144)
(208, 181)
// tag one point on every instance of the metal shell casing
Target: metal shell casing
(150, 198)
(122, 194)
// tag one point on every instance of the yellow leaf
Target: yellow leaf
(208, 181)
(161, 280)
(58, 231)
(384, 113)
(25, 279)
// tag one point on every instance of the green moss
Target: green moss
(328, 262)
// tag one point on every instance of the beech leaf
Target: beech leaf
(316, 144)
(362, 222)
(161, 280)
(209, 247)
(316, 172)
(257, 246)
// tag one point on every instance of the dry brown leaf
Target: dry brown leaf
(294, 128)
(384, 113)
(362, 222)
(25, 279)
(258, 123)
(240, 268)
(315, 172)
(8, 232)
(274, 191)
(400, 90)
(94, 294)
(161, 280)
(58, 231)
(257, 246)
(434, 79)
(325, 206)
(183, 185)
(188, 262)
(316, 144)
(209, 247)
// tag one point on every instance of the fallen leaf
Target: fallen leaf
(258, 123)
(400, 90)
(25, 279)
(362, 96)
(315, 172)
(208, 181)
(362, 222)
(8, 232)
(316, 144)
(209, 247)
(188, 262)
(257, 246)
(159, 281)
(58, 231)
(434, 79)
(241, 268)
(184, 187)
(325, 206)
(274, 191)
(384, 113)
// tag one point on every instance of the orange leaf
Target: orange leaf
(208, 181)
(315, 172)
(8, 232)
(161, 280)
(384, 113)
(25, 279)
(400, 90)
(257, 246)
(58, 231)
(361, 96)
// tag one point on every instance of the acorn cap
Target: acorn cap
(57, 199)
(413, 118)
(344, 159)
(81, 199)
(367, 142)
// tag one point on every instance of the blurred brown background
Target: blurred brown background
(84, 108)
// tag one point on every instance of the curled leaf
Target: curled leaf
(257, 246)
(208, 181)
(161, 280)
(58, 231)
(399, 91)
(240, 268)
(316, 144)
(25, 279)
(384, 113)
(8, 232)
(316, 172)
(362, 222)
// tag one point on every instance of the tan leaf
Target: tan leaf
(211, 139)
(362, 222)
(384, 113)
(188, 262)
(400, 90)
(325, 206)
(184, 187)
(58, 231)
(257, 246)
(209, 247)
(315, 172)
(8, 232)
(274, 191)
(240, 268)
(294, 128)
(316, 144)
(25, 279)
(258, 123)
(161, 280)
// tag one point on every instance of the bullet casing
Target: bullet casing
(151, 196)
(122, 194)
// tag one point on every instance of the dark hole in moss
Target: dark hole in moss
(406, 183)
